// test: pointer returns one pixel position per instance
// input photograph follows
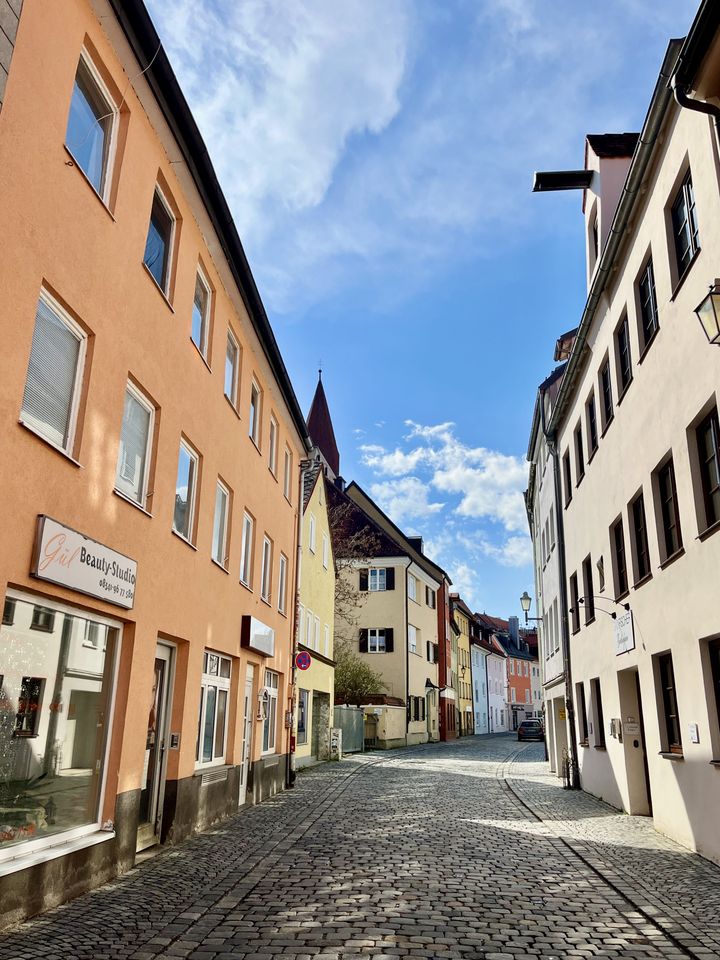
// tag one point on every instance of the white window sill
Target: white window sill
(157, 286)
(133, 503)
(184, 539)
(55, 446)
(220, 565)
(59, 849)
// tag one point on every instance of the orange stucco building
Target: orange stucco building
(150, 446)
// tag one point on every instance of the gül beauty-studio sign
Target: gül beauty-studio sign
(70, 559)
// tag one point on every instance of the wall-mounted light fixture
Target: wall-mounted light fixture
(708, 313)
(525, 603)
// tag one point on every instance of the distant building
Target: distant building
(463, 617)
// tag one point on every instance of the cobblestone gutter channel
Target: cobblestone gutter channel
(464, 850)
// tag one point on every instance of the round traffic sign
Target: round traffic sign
(303, 660)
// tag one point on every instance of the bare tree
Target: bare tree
(354, 543)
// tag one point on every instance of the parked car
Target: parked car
(531, 730)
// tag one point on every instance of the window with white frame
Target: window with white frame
(308, 628)
(511, 666)
(325, 550)
(232, 368)
(312, 534)
(54, 376)
(326, 639)
(266, 569)
(200, 330)
(136, 436)
(214, 704)
(270, 696)
(221, 524)
(412, 638)
(301, 622)
(287, 477)
(159, 243)
(185, 491)
(282, 583)
(303, 712)
(92, 126)
(246, 550)
(316, 637)
(255, 414)
(412, 587)
(272, 453)
(376, 641)
(377, 579)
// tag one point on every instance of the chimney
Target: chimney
(513, 627)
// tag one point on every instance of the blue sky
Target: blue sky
(378, 159)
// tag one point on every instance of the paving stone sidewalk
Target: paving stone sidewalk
(424, 852)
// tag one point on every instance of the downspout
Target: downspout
(700, 106)
(407, 656)
(567, 669)
(291, 772)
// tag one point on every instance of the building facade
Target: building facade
(463, 617)
(641, 487)
(446, 674)
(151, 443)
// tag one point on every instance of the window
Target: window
(158, 246)
(326, 640)
(623, 356)
(567, 477)
(214, 697)
(54, 375)
(308, 628)
(42, 619)
(684, 225)
(579, 458)
(302, 727)
(606, 395)
(574, 603)
(591, 417)
(376, 641)
(670, 535)
(377, 579)
(232, 368)
(301, 622)
(527, 696)
(671, 739)
(325, 550)
(312, 534)
(135, 446)
(511, 665)
(641, 554)
(512, 694)
(648, 305)
(430, 598)
(220, 524)
(525, 669)
(582, 714)
(255, 414)
(708, 443)
(92, 634)
(200, 332)
(272, 452)
(714, 655)
(270, 696)
(184, 516)
(617, 539)
(91, 126)
(412, 638)
(599, 722)
(588, 590)
(287, 478)
(282, 584)
(316, 633)
(266, 569)
(27, 718)
(412, 587)
(246, 550)
(8, 617)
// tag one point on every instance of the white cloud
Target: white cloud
(404, 499)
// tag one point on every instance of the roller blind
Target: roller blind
(133, 448)
(52, 375)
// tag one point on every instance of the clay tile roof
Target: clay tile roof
(321, 430)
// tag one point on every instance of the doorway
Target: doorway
(152, 789)
(246, 733)
(320, 719)
(632, 731)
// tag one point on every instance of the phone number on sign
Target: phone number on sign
(123, 593)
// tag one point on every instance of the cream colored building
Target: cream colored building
(636, 425)
(462, 617)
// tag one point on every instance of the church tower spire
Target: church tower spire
(321, 430)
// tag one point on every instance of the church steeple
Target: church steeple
(321, 430)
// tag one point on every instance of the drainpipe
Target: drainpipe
(567, 670)
(700, 106)
(407, 656)
(290, 772)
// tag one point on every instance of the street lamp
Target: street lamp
(525, 602)
(708, 313)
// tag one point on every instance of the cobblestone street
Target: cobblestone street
(361, 860)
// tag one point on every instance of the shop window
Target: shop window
(214, 701)
(55, 692)
(302, 727)
(270, 696)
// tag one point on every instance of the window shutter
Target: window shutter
(388, 640)
(363, 579)
(363, 641)
(422, 709)
(428, 647)
(390, 578)
(51, 375)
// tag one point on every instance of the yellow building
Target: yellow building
(315, 686)
(462, 616)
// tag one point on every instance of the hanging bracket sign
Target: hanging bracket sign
(624, 633)
(70, 559)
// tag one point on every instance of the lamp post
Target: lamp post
(525, 603)
(708, 313)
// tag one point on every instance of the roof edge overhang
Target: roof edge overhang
(697, 42)
(547, 181)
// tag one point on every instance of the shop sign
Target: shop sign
(70, 559)
(624, 633)
(258, 636)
